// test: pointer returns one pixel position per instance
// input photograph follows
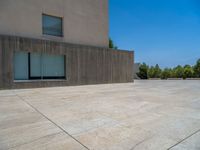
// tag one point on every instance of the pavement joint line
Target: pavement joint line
(140, 142)
(183, 139)
(52, 121)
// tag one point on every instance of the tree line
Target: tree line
(187, 71)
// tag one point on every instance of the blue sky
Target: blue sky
(166, 32)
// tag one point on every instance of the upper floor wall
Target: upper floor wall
(83, 21)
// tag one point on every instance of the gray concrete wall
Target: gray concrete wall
(1, 77)
(85, 21)
(136, 67)
(84, 64)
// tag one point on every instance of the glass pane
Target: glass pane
(21, 66)
(53, 66)
(35, 65)
(52, 25)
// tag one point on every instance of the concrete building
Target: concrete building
(83, 21)
(136, 70)
(56, 43)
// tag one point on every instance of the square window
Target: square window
(52, 25)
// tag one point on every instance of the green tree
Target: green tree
(166, 73)
(143, 70)
(111, 44)
(157, 71)
(154, 72)
(151, 72)
(187, 72)
(197, 69)
(178, 72)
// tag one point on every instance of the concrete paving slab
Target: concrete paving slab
(192, 142)
(59, 141)
(147, 115)
(21, 127)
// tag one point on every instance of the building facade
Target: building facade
(83, 21)
(56, 43)
(136, 70)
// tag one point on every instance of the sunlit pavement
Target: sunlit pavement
(146, 115)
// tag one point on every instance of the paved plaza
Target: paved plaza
(145, 115)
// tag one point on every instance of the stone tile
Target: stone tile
(59, 141)
(114, 137)
(20, 124)
(192, 143)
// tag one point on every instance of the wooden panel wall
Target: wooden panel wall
(84, 64)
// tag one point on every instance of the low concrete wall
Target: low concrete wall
(1, 74)
(84, 64)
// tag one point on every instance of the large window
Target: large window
(21, 66)
(53, 66)
(52, 25)
(38, 66)
(35, 65)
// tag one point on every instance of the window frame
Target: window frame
(62, 26)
